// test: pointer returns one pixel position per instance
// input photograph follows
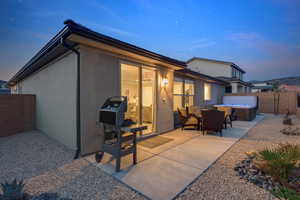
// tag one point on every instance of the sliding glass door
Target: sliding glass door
(138, 84)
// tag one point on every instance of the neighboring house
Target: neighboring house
(78, 69)
(290, 88)
(3, 89)
(261, 86)
(226, 71)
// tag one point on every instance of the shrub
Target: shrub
(286, 193)
(13, 190)
(279, 161)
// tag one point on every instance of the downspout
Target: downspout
(78, 131)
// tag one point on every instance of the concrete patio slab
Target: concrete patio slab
(200, 152)
(108, 164)
(178, 136)
(158, 177)
(164, 171)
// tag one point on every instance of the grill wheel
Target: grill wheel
(99, 156)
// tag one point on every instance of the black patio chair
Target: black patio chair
(212, 120)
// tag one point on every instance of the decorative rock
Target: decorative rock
(247, 170)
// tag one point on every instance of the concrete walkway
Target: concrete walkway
(165, 171)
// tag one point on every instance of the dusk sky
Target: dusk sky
(261, 36)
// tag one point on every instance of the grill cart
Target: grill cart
(119, 134)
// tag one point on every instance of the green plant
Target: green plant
(279, 161)
(286, 193)
(13, 190)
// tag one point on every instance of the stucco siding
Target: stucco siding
(199, 93)
(164, 113)
(55, 90)
(100, 79)
(217, 92)
(210, 68)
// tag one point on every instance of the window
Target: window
(189, 93)
(207, 91)
(228, 89)
(233, 72)
(183, 92)
(241, 76)
(177, 93)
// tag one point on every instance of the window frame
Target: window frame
(210, 91)
(184, 96)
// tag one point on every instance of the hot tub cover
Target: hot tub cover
(239, 101)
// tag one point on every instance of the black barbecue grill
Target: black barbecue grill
(119, 133)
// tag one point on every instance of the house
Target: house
(227, 71)
(261, 86)
(78, 69)
(3, 89)
(290, 88)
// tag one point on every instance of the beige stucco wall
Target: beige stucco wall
(217, 93)
(100, 79)
(199, 93)
(234, 87)
(164, 113)
(210, 68)
(55, 90)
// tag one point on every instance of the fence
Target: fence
(275, 102)
(17, 113)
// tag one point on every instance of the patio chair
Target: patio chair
(228, 115)
(212, 120)
(188, 120)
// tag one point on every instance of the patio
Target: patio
(163, 172)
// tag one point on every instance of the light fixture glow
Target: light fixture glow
(165, 82)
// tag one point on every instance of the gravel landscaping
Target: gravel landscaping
(48, 166)
(220, 181)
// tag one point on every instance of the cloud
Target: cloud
(244, 39)
(201, 43)
(108, 29)
(118, 31)
(279, 59)
(108, 11)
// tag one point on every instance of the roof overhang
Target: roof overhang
(198, 76)
(77, 34)
(242, 83)
(122, 52)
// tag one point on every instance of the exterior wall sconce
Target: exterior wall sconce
(165, 82)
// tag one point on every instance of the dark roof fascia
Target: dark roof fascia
(263, 87)
(238, 68)
(217, 61)
(235, 80)
(197, 75)
(88, 33)
(54, 42)
(210, 60)
(74, 28)
(242, 82)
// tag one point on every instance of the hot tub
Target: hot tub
(243, 107)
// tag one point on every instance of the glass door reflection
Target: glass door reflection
(138, 84)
